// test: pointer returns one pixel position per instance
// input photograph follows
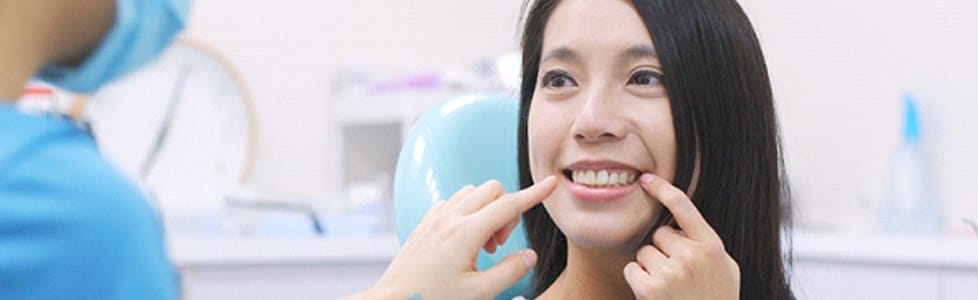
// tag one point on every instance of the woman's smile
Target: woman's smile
(600, 180)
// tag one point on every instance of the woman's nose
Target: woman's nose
(600, 119)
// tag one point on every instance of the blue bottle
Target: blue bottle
(911, 205)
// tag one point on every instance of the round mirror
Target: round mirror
(183, 126)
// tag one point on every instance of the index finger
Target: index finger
(504, 210)
(675, 200)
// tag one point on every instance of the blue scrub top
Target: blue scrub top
(71, 226)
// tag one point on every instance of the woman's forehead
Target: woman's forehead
(586, 27)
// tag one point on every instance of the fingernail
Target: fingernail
(529, 257)
(646, 178)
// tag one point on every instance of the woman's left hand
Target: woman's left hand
(690, 263)
(438, 260)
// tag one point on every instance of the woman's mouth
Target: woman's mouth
(600, 181)
(601, 178)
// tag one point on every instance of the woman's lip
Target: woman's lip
(600, 165)
(602, 194)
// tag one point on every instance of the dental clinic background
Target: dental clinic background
(844, 74)
(840, 70)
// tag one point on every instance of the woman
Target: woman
(678, 89)
(649, 130)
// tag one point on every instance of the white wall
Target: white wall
(839, 68)
(288, 50)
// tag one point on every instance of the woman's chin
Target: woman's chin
(606, 225)
(609, 236)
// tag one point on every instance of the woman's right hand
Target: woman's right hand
(438, 260)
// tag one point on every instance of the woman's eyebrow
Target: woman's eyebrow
(563, 54)
(633, 53)
(637, 53)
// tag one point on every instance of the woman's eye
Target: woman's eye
(646, 77)
(557, 79)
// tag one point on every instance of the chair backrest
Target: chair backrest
(464, 140)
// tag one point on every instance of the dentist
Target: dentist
(71, 226)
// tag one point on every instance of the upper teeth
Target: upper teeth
(602, 178)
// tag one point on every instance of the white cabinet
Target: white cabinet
(310, 281)
(831, 267)
(826, 267)
(821, 280)
(279, 268)
(961, 286)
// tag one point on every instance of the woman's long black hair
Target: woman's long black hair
(722, 108)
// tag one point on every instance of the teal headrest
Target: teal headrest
(464, 140)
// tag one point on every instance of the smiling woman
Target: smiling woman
(649, 159)
(676, 89)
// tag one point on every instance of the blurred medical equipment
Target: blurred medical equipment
(184, 126)
(465, 140)
(245, 209)
(912, 204)
(973, 224)
(372, 112)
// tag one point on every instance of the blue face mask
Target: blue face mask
(142, 29)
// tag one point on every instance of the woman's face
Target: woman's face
(600, 118)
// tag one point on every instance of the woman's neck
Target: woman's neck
(592, 274)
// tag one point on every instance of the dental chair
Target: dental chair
(464, 140)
